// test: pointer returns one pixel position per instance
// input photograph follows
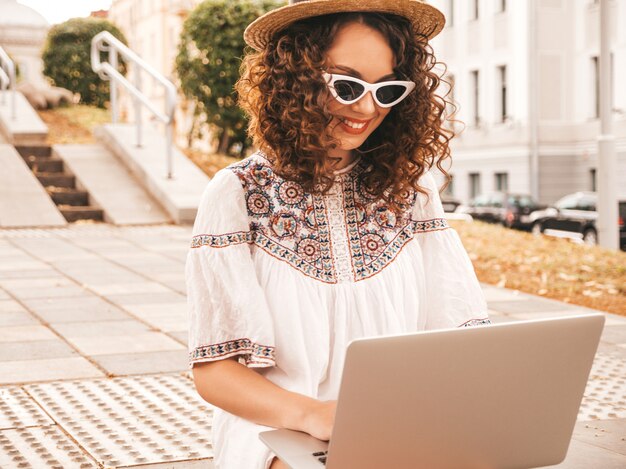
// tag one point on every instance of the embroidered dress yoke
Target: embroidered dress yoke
(284, 280)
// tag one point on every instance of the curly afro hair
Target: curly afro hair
(284, 94)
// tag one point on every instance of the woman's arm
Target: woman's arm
(242, 391)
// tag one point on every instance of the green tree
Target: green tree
(67, 58)
(208, 61)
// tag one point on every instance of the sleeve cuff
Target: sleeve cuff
(269, 460)
(251, 354)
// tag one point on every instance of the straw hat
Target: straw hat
(426, 19)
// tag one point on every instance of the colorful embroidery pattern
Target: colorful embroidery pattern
(345, 235)
(221, 241)
(435, 224)
(253, 354)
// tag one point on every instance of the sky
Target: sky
(58, 11)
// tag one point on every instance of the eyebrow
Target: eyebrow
(358, 75)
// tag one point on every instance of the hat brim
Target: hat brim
(426, 19)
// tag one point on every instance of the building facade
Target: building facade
(525, 79)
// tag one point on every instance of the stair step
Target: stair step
(72, 213)
(44, 164)
(56, 179)
(64, 196)
(29, 150)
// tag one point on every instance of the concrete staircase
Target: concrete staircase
(114, 181)
(72, 202)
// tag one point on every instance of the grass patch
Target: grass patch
(73, 124)
(209, 163)
(554, 268)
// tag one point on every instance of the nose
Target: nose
(366, 105)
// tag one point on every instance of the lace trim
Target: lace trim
(340, 246)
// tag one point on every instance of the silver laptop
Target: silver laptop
(498, 396)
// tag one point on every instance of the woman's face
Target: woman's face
(361, 52)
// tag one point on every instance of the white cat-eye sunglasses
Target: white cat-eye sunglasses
(348, 90)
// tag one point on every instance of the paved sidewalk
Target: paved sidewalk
(93, 367)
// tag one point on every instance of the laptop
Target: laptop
(492, 397)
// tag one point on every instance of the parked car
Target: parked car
(574, 216)
(450, 204)
(511, 210)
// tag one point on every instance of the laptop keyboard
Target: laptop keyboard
(321, 456)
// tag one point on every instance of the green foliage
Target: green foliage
(67, 58)
(208, 61)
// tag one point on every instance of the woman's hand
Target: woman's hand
(319, 419)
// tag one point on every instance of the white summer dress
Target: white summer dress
(285, 279)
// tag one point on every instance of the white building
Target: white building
(153, 28)
(526, 82)
(23, 32)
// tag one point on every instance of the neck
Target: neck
(347, 158)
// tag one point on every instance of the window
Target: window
(502, 92)
(586, 203)
(474, 184)
(450, 12)
(475, 97)
(480, 201)
(595, 64)
(502, 181)
(451, 105)
(594, 186)
(568, 202)
(496, 200)
(451, 81)
(521, 201)
(474, 7)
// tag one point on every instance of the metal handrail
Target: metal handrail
(7, 79)
(106, 42)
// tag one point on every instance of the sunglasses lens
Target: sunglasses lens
(390, 93)
(348, 90)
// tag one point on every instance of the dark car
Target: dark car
(511, 210)
(574, 216)
(450, 204)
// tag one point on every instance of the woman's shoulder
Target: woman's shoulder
(254, 171)
(250, 164)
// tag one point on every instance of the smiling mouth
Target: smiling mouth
(354, 127)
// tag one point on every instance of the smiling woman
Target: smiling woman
(331, 133)
(333, 230)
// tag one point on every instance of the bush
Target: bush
(208, 61)
(67, 58)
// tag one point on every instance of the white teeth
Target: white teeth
(354, 125)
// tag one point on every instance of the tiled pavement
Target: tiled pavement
(93, 355)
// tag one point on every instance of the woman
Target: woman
(333, 230)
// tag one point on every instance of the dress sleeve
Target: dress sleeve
(228, 312)
(453, 297)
